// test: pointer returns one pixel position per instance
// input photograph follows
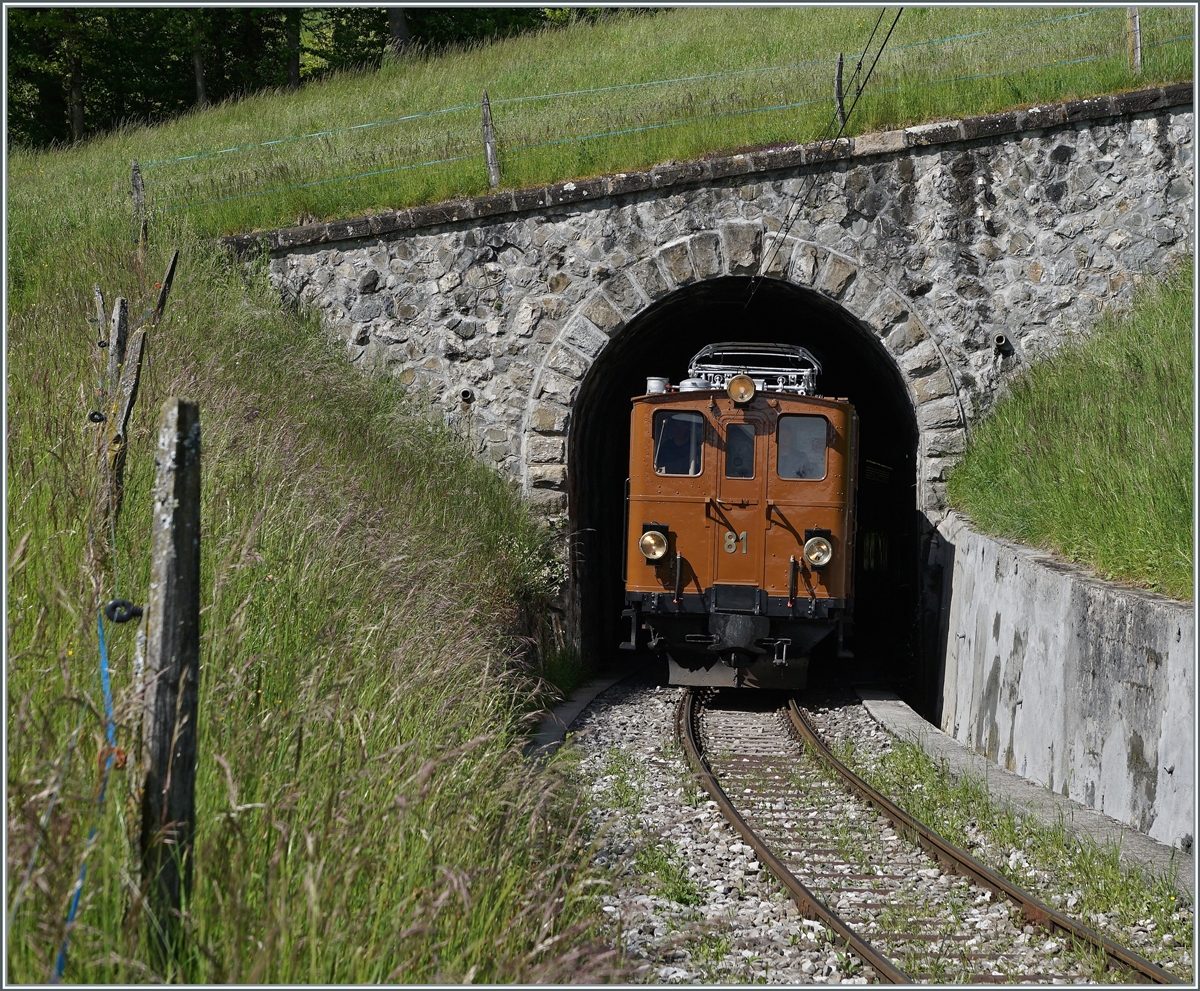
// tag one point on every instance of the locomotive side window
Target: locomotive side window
(739, 450)
(802, 441)
(678, 443)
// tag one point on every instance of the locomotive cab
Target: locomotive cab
(740, 517)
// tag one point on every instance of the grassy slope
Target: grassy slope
(1090, 454)
(357, 581)
(670, 44)
(359, 572)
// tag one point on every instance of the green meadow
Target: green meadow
(1090, 452)
(363, 809)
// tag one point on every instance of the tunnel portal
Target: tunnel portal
(661, 341)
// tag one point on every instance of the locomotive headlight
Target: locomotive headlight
(653, 545)
(741, 388)
(818, 551)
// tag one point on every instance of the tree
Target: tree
(293, 20)
(74, 71)
(196, 25)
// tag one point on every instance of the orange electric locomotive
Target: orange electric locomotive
(740, 517)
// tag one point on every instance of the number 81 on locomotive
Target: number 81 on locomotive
(740, 519)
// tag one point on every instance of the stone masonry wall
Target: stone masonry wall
(936, 238)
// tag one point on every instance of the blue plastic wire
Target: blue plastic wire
(460, 158)
(658, 82)
(322, 182)
(1169, 41)
(601, 89)
(675, 123)
(60, 962)
(670, 123)
(106, 684)
(314, 134)
(1007, 29)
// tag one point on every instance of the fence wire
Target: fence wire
(752, 105)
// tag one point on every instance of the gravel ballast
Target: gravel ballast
(689, 902)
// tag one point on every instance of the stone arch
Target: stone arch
(736, 248)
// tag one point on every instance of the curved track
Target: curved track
(911, 906)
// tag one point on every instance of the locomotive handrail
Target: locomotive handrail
(716, 504)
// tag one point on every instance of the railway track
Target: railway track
(911, 907)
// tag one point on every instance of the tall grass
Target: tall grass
(1090, 454)
(363, 812)
(1068, 870)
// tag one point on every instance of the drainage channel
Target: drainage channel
(908, 906)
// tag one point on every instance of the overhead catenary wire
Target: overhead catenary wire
(795, 211)
(520, 132)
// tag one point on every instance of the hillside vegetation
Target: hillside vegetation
(1090, 453)
(363, 810)
(360, 776)
(589, 99)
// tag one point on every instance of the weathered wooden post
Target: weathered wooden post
(489, 145)
(100, 359)
(139, 190)
(125, 395)
(118, 334)
(98, 296)
(97, 549)
(1134, 25)
(838, 95)
(165, 290)
(139, 211)
(172, 671)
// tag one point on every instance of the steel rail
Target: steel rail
(809, 904)
(959, 861)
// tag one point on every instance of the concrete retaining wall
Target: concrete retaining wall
(1082, 686)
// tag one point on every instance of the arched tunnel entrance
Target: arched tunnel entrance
(660, 341)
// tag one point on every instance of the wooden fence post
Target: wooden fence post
(139, 190)
(1134, 24)
(100, 359)
(139, 210)
(172, 674)
(118, 334)
(98, 296)
(489, 145)
(125, 395)
(165, 290)
(838, 95)
(97, 549)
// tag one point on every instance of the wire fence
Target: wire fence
(581, 129)
(118, 352)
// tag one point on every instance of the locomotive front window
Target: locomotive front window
(802, 442)
(739, 450)
(678, 443)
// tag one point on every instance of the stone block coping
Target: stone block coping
(673, 174)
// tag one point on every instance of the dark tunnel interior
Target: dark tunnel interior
(661, 341)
